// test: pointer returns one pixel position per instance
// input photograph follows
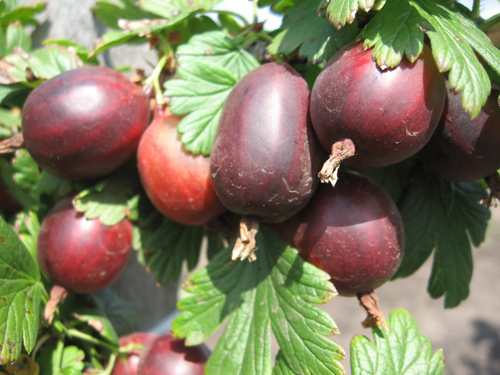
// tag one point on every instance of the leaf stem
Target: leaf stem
(74, 333)
(255, 11)
(229, 13)
(42, 340)
(58, 356)
(476, 9)
(111, 364)
(154, 78)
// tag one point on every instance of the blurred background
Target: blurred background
(468, 334)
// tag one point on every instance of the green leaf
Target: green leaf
(111, 11)
(55, 359)
(317, 38)
(112, 199)
(165, 245)
(81, 51)
(10, 122)
(444, 216)
(45, 63)
(112, 39)
(27, 226)
(175, 10)
(15, 36)
(217, 48)
(200, 92)
(20, 295)
(274, 292)
(400, 350)
(21, 174)
(454, 39)
(340, 12)
(118, 310)
(209, 66)
(24, 14)
(394, 32)
(13, 94)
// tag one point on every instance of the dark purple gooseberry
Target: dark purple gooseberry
(389, 115)
(464, 149)
(265, 157)
(81, 255)
(168, 356)
(84, 123)
(353, 232)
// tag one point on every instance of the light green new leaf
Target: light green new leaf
(274, 292)
(20, 295)
(209, 66)
(201, 90)
(394, 32)
(340, 12)
(401, 350)
(317, 38)
(217, 48)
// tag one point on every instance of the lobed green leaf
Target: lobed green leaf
(394, 33)
(20, 296)
(342, 12)
(112, 199)
(454, 39)
(317, 38)
(200, 92)
(400, 350)
(209, 66)
(275, 291)
(444, 216)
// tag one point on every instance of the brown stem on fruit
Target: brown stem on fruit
(11, 144)
(341, 150)
(245, 244)
(369, 303)
(493, 182)
(57, 295)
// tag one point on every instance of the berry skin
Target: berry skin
(83, 256)
(177, 182)
(354, 232)
(84, 123)
(169, 356)
(464, 149)
(265, 158)
(129, 364)
(389, 115)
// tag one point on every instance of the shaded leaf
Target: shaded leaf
(317, 38)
